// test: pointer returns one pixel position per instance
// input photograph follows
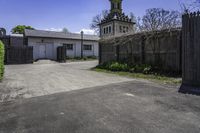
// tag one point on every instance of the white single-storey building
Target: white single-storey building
(45, 44)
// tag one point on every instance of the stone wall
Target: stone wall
(159, 48)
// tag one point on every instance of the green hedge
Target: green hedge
(1, 60)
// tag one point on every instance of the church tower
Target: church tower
(116, 23)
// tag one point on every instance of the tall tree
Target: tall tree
(97, 20)
(65, 30)
(159, 19)
(19, 29)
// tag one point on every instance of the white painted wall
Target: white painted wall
(76, 52)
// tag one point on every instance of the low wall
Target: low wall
(159, 48)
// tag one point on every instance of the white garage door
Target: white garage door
(49, 51)
(43, 51)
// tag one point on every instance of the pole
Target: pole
(82, 44)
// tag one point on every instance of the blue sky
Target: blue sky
(73, 14)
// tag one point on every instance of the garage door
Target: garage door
(49, 51)
(43, 51)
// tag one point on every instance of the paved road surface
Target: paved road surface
(45, 77)
(129, 107)
(55, 102)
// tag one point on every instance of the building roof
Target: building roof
(117, 16)
(116, 13)
(16, 35)
(59, 35)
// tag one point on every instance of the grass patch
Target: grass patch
(141, 71)
(88, 58)
(151, 77)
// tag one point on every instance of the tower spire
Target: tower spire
(116, 6)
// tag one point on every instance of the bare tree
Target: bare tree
(159, 19)
(189, 5)
(97, 20)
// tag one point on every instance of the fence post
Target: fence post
(100, 53)
(143, 50)
(117, 52)
(191, 53)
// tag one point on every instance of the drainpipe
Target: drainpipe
(82, 44)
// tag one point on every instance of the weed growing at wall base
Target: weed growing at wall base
(1, 60)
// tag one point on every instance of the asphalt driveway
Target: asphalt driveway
(46, 77)
(128, 107)
(48, 97)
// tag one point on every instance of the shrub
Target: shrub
(117, 66)
(85, 58)
(91, 57)
(146, 69)
(77, 58)
(140, 68)
(114, 66)
(68, 58)
(1, 60)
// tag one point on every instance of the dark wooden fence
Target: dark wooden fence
(19, 55)
(61, 54)
(159, 48)
(15, 50)
(191, 53)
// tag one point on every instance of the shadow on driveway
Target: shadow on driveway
(129, 107)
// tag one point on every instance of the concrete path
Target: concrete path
(46, 77)
(128, 107)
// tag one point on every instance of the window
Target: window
(106, 30)
(119, 6)
(113, 5)
(126, 29)
(120, 29)
(116, 5)
(109, 29)
(87, 47)
(69, 46)
(123, 29)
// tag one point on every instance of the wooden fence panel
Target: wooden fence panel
(19, 55)
(158, 49)
(191, 53)
(61, 54)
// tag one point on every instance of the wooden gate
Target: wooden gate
(19, 55)
(61, 54)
